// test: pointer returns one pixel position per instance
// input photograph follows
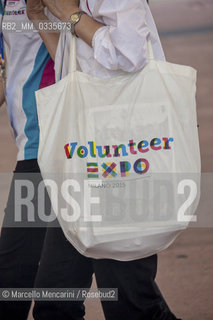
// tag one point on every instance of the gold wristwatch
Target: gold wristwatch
(74, 19)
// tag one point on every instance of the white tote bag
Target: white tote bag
(121, 152)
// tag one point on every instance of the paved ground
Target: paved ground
(185, 272)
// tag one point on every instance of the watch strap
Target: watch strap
(73, 23)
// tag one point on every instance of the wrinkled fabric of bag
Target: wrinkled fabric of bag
(120, 149)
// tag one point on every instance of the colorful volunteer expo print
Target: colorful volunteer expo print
(112, 169)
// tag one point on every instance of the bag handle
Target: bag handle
(150, 51)
(73, 55)
(73, 58)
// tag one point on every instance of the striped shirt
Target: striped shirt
(29, 67)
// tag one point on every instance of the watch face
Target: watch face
(75, 18)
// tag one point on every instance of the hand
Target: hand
(35, 8)
(62, 9)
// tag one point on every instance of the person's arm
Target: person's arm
(119, 42)
(63, 11)
(85, 28)
(35, 12)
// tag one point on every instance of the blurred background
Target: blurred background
(185, 273)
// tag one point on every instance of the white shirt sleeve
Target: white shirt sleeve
(122, 43)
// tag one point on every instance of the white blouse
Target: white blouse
(120, 45)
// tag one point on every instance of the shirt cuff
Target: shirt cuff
(97, 33)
